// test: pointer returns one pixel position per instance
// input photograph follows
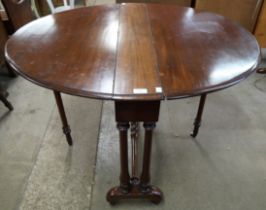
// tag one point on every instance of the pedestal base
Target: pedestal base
(128, 115)
(135, 191)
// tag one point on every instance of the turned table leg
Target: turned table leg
(145, 176)
(134, 134)
(124, 176)
(60, 106)
(197, 121)
(155, 194)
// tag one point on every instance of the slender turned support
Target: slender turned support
(134, 133)
(197, 121)
(133, 187)
(3, 96)
(145, 176)
(60, 106)
(124, 176)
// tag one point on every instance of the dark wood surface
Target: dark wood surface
(118, 51)
(136, 58)
(136, 54)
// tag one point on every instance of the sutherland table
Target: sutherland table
(135, 55)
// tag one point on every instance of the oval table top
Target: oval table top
(133, 52)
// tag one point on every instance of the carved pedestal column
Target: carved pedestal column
(134, 186)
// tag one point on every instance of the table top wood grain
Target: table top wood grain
(133, 52)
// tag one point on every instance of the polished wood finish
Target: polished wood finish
(99, 62)
(61, 110)
(136, 55)
(197, 121)
(19, 12)
(199, 52)
(244, 12)
(135, 186)
(90, 54)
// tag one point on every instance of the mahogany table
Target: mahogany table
(135, 55)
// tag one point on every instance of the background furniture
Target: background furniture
(244, 12)
(43, 7)
(3, 93)
(20, 14)
(3, 38)
(65, 6)
(260, 31)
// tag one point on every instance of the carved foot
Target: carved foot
(136, 191)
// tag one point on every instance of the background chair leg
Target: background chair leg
(197, 121)
(3, 95)
(11, 72)
(66, 128)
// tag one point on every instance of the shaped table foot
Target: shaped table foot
(150, 193)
